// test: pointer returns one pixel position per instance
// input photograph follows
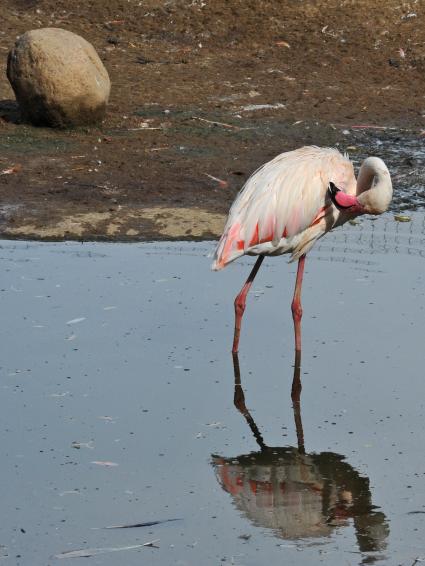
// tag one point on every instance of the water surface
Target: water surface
(117, 404)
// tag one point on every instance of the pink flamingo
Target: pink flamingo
(288, 204)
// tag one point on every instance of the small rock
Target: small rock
(58, 78)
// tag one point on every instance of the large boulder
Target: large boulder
(58, 78)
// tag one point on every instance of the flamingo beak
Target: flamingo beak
(344, 202)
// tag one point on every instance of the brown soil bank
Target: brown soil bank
(203, 91)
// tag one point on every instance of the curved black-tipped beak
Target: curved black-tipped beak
(333, 190)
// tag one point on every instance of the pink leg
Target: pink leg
(297, 310)
(240, 303)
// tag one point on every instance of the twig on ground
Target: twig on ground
(215, 123)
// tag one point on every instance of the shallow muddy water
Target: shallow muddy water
(117, 404)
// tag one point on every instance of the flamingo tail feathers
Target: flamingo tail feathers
(229, 248)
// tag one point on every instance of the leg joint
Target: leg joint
(240, 304)
(297, 310)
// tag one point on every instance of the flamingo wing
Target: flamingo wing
(281, 200)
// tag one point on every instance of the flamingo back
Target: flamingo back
(281, 200)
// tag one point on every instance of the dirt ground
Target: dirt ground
(203, 91)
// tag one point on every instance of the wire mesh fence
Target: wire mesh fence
(382, 235)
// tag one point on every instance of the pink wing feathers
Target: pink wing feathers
(281, 200)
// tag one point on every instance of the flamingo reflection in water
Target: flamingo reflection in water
(298, 494)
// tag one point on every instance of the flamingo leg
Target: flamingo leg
(296, 307)
(240, 303)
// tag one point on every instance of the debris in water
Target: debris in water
(152, 543)
(88, 552)
(402, 218)
(286, 546)
(192, 544)
(146, 524)
(216, 424)
(79, 445)
(76, 320)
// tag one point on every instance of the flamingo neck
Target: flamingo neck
(374, 187)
